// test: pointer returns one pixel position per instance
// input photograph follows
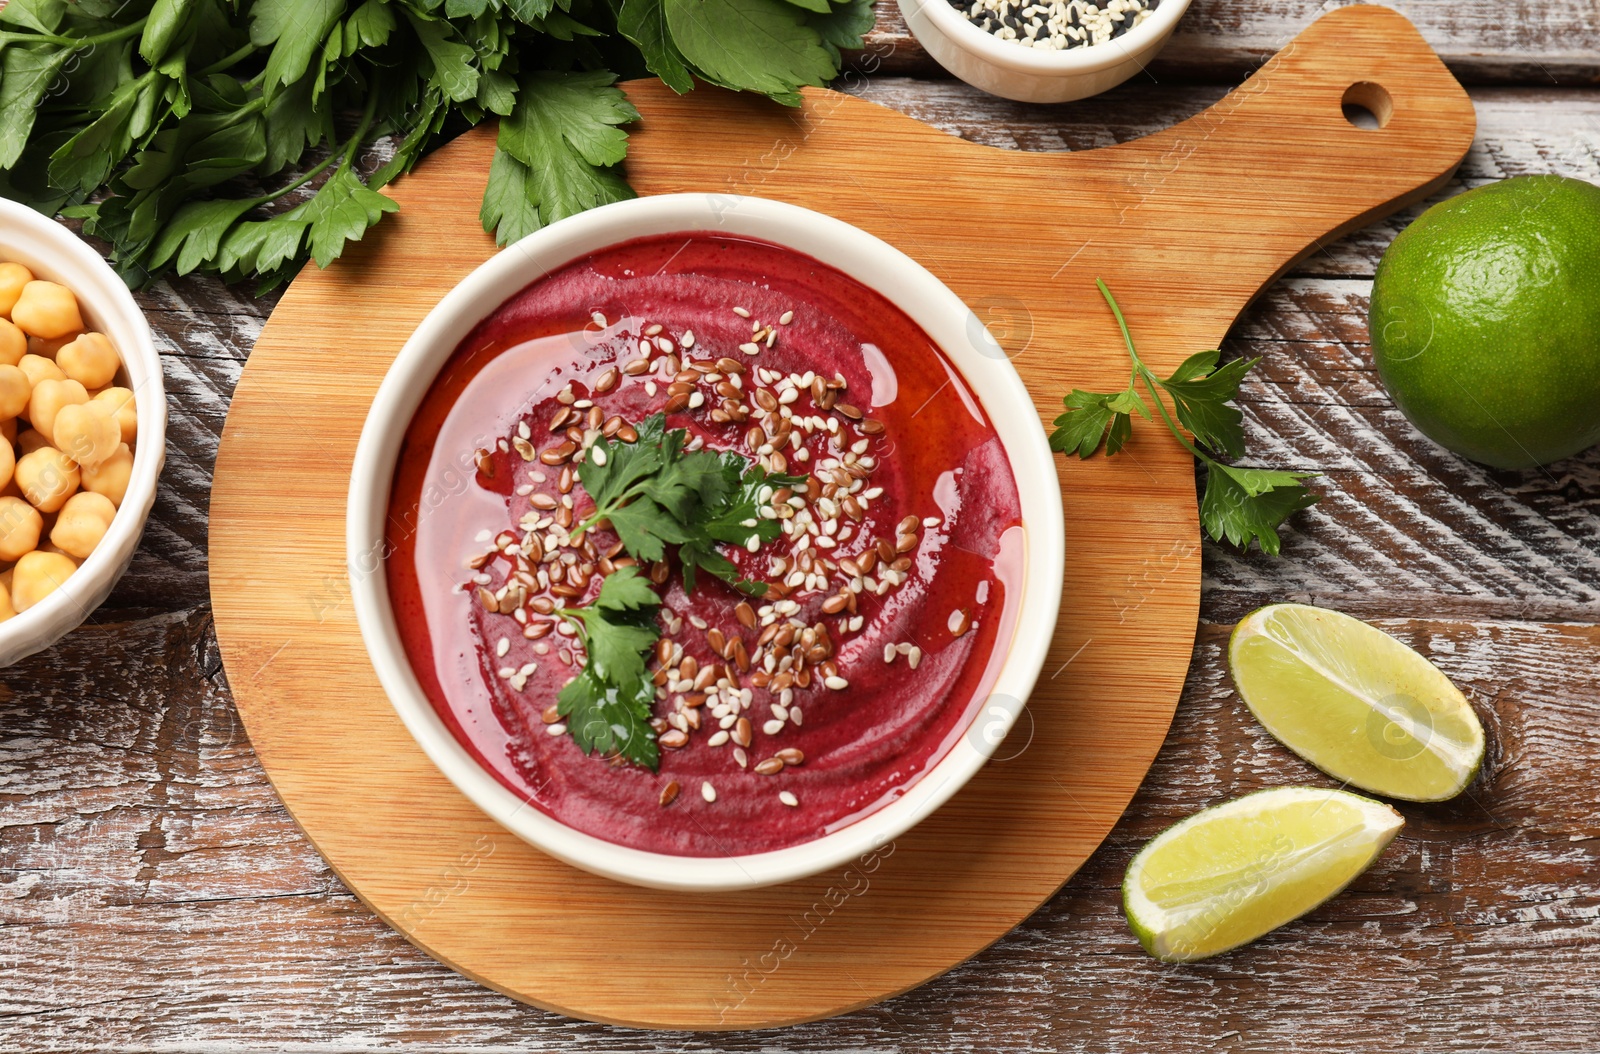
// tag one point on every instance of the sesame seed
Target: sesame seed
(557, 729)
(786, 318)
(837, 684)
(750, 348)
(788, 798)
(772, 727)
(707, 791)
(598, 319)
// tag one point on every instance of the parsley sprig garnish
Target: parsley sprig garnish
(607, 706)
(1240, 504)
(654, 493)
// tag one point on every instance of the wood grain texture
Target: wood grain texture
(1159, 219)
(1482, 41)
(235, 937)
(161, 899)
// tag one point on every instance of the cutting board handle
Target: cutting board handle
(1275, 170)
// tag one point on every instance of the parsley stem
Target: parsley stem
(79, 43)
(1172, 426)
(1151, 382)
(344, 154)
(227, 61)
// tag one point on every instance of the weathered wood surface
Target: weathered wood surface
(1482, 41)
(154, 895)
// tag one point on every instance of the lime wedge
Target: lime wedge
(1235, 871)
(1355, 702)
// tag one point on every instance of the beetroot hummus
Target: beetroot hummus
(888, 589)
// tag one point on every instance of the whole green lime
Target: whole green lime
(1485, 321)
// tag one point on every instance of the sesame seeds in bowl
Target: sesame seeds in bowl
(1057, 24)
(1043, 50)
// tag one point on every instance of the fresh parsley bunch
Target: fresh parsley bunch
(223, 135)
(1240, 504)
(654, 493)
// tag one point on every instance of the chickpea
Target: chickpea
(8, 463)
(47, 478)
(84, 520)
(13, 342)
(49, 349)
(37, 575)
(15, 391)
(8, 430)
(110, 477)
(47, 400)
(13, 276)
(31, 440)
(90, 360)
(86, 432)
(6, 610)
(121, 404)
(20, 526)
(38, 368)
(47, 309)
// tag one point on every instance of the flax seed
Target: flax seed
(559, 455)
(669, 793)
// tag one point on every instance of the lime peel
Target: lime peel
(1355, 702)
(1233, 872)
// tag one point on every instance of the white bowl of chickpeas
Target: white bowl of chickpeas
(83, 413)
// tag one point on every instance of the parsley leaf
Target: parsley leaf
(653, 493)
(1240, 504)
(644, 22)
(341, 210)
(757, 45)
(1095, 416)
(1245, 504)
(1203, 394)
(607, 706)
(734, 518)
(559, 144)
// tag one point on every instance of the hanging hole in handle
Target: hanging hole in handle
(1367, 105)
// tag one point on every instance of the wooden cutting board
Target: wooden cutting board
(1186, 227)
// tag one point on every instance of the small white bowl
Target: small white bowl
(53, 252)
(904, 282)
(1006, 68)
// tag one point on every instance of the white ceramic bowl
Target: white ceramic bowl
(53, 252)
(904, 282)
(1008, 69)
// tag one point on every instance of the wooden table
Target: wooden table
(155, 895)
